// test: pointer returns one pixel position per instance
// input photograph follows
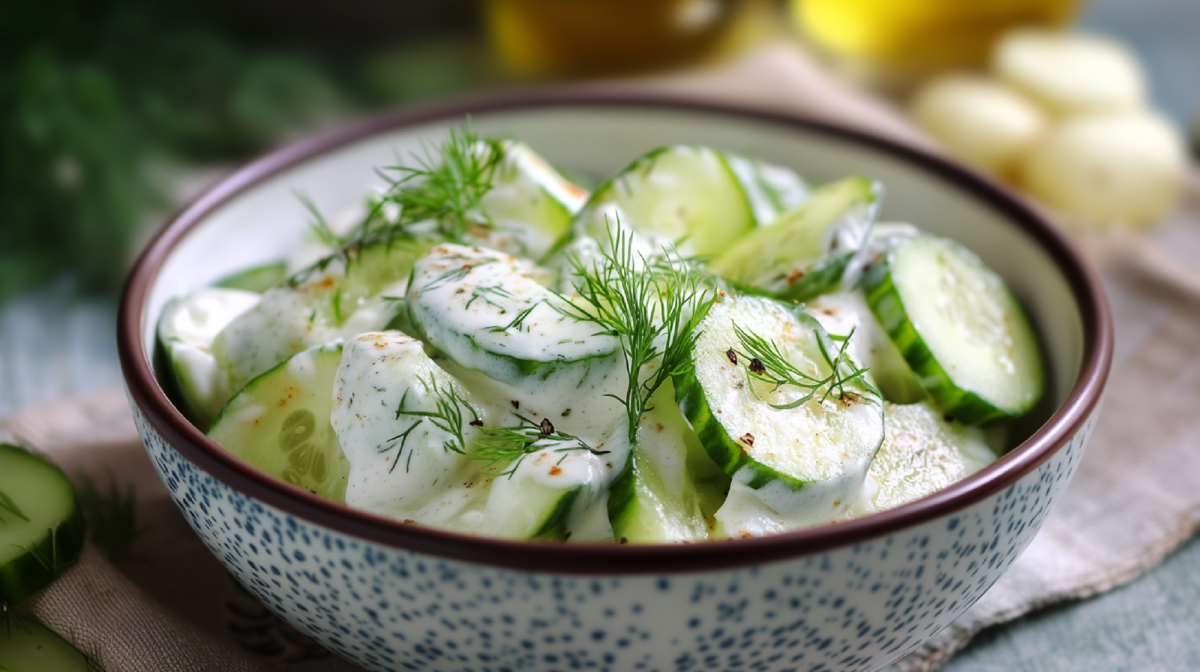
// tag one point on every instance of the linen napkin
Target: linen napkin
(166, 604)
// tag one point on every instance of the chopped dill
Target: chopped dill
(767, 362)
(505, 448)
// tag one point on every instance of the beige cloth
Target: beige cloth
(172, 607)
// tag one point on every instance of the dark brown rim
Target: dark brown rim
(607, 558)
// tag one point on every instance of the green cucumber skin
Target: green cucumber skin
(885, 302)
(29, 646)
(556, 526)
(816, 282)
(28, 573)
(727, 453)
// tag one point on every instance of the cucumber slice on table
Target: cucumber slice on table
(683, 194)
(279, 422)
(921, 454)
(669, 488)
(186, 330)
(336, 298)
(29, 646)
(484, 311)
(795, 459)
(808, 248)
(959, 328)
(41, 529)
(530, 204)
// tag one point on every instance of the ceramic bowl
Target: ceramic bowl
(854, 595)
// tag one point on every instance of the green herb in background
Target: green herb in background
(97, 97)
(111, 516)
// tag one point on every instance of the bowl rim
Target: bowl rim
(608, 558)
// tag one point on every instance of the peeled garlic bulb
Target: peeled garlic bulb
(978, 120)
(1123, 168)
(1070, 73)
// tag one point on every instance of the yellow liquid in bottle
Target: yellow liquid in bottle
(921, 36)
(562, 37)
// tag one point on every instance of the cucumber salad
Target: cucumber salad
(704, 346)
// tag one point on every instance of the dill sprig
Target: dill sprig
(444, 186)
(766, 362)
(448, 417)
(507, 447)
(111, 516)
(651, 304)
(7, 504)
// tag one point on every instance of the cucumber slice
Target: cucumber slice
(279, 422)
(186, 330)
(398, 461)
(333, 299)
(682, 194)
(669, 488)
(545, 494)
(484, 311)
(959, 328)
(41, 529)
(29, 646)
(770, 189)
(846, 314)
(797, 466)
(257, 279)
(530, 204)
(806, 251)
(921, 454)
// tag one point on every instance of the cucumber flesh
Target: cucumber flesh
(921, 454)
(959, 328)
(668, 489)
(530, 204)
(257, 279)
(279, 423)
(770, 189)
(798, 466)
(186, 330)
(29, 646)
(687, 195)
(846, 314)
(41, 529)
(808, 248)
(484, 311)
(336, 298)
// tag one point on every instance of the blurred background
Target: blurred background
(112, 112)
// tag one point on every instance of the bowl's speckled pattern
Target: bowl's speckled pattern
(850, 596)
(852, 608)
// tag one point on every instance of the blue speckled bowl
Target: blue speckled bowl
(854, 595)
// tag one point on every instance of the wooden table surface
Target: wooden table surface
(55, 345)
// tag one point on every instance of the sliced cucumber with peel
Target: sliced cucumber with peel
(959, 328)
(29, 646)
(187, 328)
(41, 528)
(802, 464)
(530, 204)
(338, 297)
(771, 190)
(808, 248)
(684, 194)
(485, 311)
(279, 422)
(921, 454)
(256, 279)
(669, 488)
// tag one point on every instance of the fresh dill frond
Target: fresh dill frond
(505, 448)
(7, 504)
(448, 417)
(651, 305)
(111, 516)
(765, 361)
(438, 193)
